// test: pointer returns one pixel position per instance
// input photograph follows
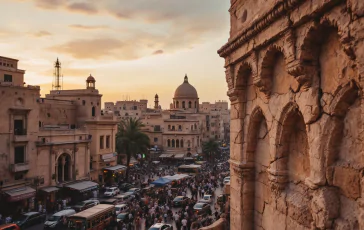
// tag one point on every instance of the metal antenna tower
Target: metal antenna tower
(58, 77)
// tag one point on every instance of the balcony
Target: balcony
(19, 167)
(20, 135)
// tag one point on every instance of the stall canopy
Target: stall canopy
(49, 189)
(83, 186)
(179, 156)
(161, 181)
(20, 193)
(166, 155)
(116, 168)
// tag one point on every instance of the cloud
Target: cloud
(92, 49)
(42, 33)
(88, 27)
(49, 4)
(158, 52)
(82, 7)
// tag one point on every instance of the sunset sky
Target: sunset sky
(132, 47)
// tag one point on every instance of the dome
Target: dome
(185, 90)
(90, 78)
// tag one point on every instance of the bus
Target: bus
(95, 218)
(189, 169)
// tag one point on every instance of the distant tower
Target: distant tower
(156, 102)
(90, 82)
(58, 77)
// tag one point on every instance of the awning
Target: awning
(166, 155)
(161, 181)
(20, 193)
(179, 156)
(83, 186)
(116, 168)
(49, 189)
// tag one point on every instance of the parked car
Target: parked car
(131, 194)
(55, 221)
(123, 198)
(124, 216)
(11, 226)
(120, 208)
(226, 180)
(206, 199)
(125, 186)
(202, 208)
(29, 219)
(161, 226)
(135, 191)
(113, 191)
(112, 201)
(83, 205)
(180, 200)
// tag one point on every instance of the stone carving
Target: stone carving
(300, 117)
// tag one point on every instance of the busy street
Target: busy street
(155, 195)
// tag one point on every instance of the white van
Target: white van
(120, 208)
(55, 221)
(123, 199)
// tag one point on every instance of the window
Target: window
(180, 128)
(19, 153)
(8, 78)
(189, 104)
(169, 143)
(182, 143)
(107, 142)
(177, 143)
(101, 142)
(183, 104)
(83, 102)
(155, 139)
(173, 143)
(93, 111)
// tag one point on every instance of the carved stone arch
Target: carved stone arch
(256, 117)
(344, 98)
(63, 151)
(264, 80)
(243, 72)
(287, 123)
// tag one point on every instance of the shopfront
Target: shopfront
(48, 197)
(114, 174)
(81, 190)
(17, 200)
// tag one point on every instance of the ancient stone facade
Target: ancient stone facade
(294, 70)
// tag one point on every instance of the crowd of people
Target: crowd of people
(157, 206)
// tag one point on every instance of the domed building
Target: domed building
(186, 97)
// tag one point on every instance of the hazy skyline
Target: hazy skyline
(136, 48)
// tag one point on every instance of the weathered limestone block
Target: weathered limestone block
(325, 206)
(299, 208)
(348, 180)
(357, 6)
(273, 220)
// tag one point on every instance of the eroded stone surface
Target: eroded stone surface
(299, 68)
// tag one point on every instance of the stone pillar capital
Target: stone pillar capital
(236, 95)
(243, 170)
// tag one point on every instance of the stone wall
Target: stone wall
(294, 70)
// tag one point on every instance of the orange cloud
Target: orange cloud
(82, 7)
(88, 27)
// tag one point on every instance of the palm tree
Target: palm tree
(210, 148)
(131, 140)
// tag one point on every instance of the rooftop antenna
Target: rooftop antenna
(58, 77)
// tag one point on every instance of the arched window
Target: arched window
(191, 127)
(177, 143)
(93, 111)
(173, 128)
(180, 128)
(173, 143)
(183, 104)
(169, 127)
(83, 102)
(177, 104)
(195, 126)
(189, 143)
(182, 143)
(195, 104)
(169, 143)
(189, 104)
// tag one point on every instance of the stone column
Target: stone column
(63, 164)
(56, 172)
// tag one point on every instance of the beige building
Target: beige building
(47, 143)
(180, 131)
(294, 71)
(128, 108)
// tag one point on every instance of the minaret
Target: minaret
(58, 77)
(156, 102)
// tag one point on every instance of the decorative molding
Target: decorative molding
(279, 10)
